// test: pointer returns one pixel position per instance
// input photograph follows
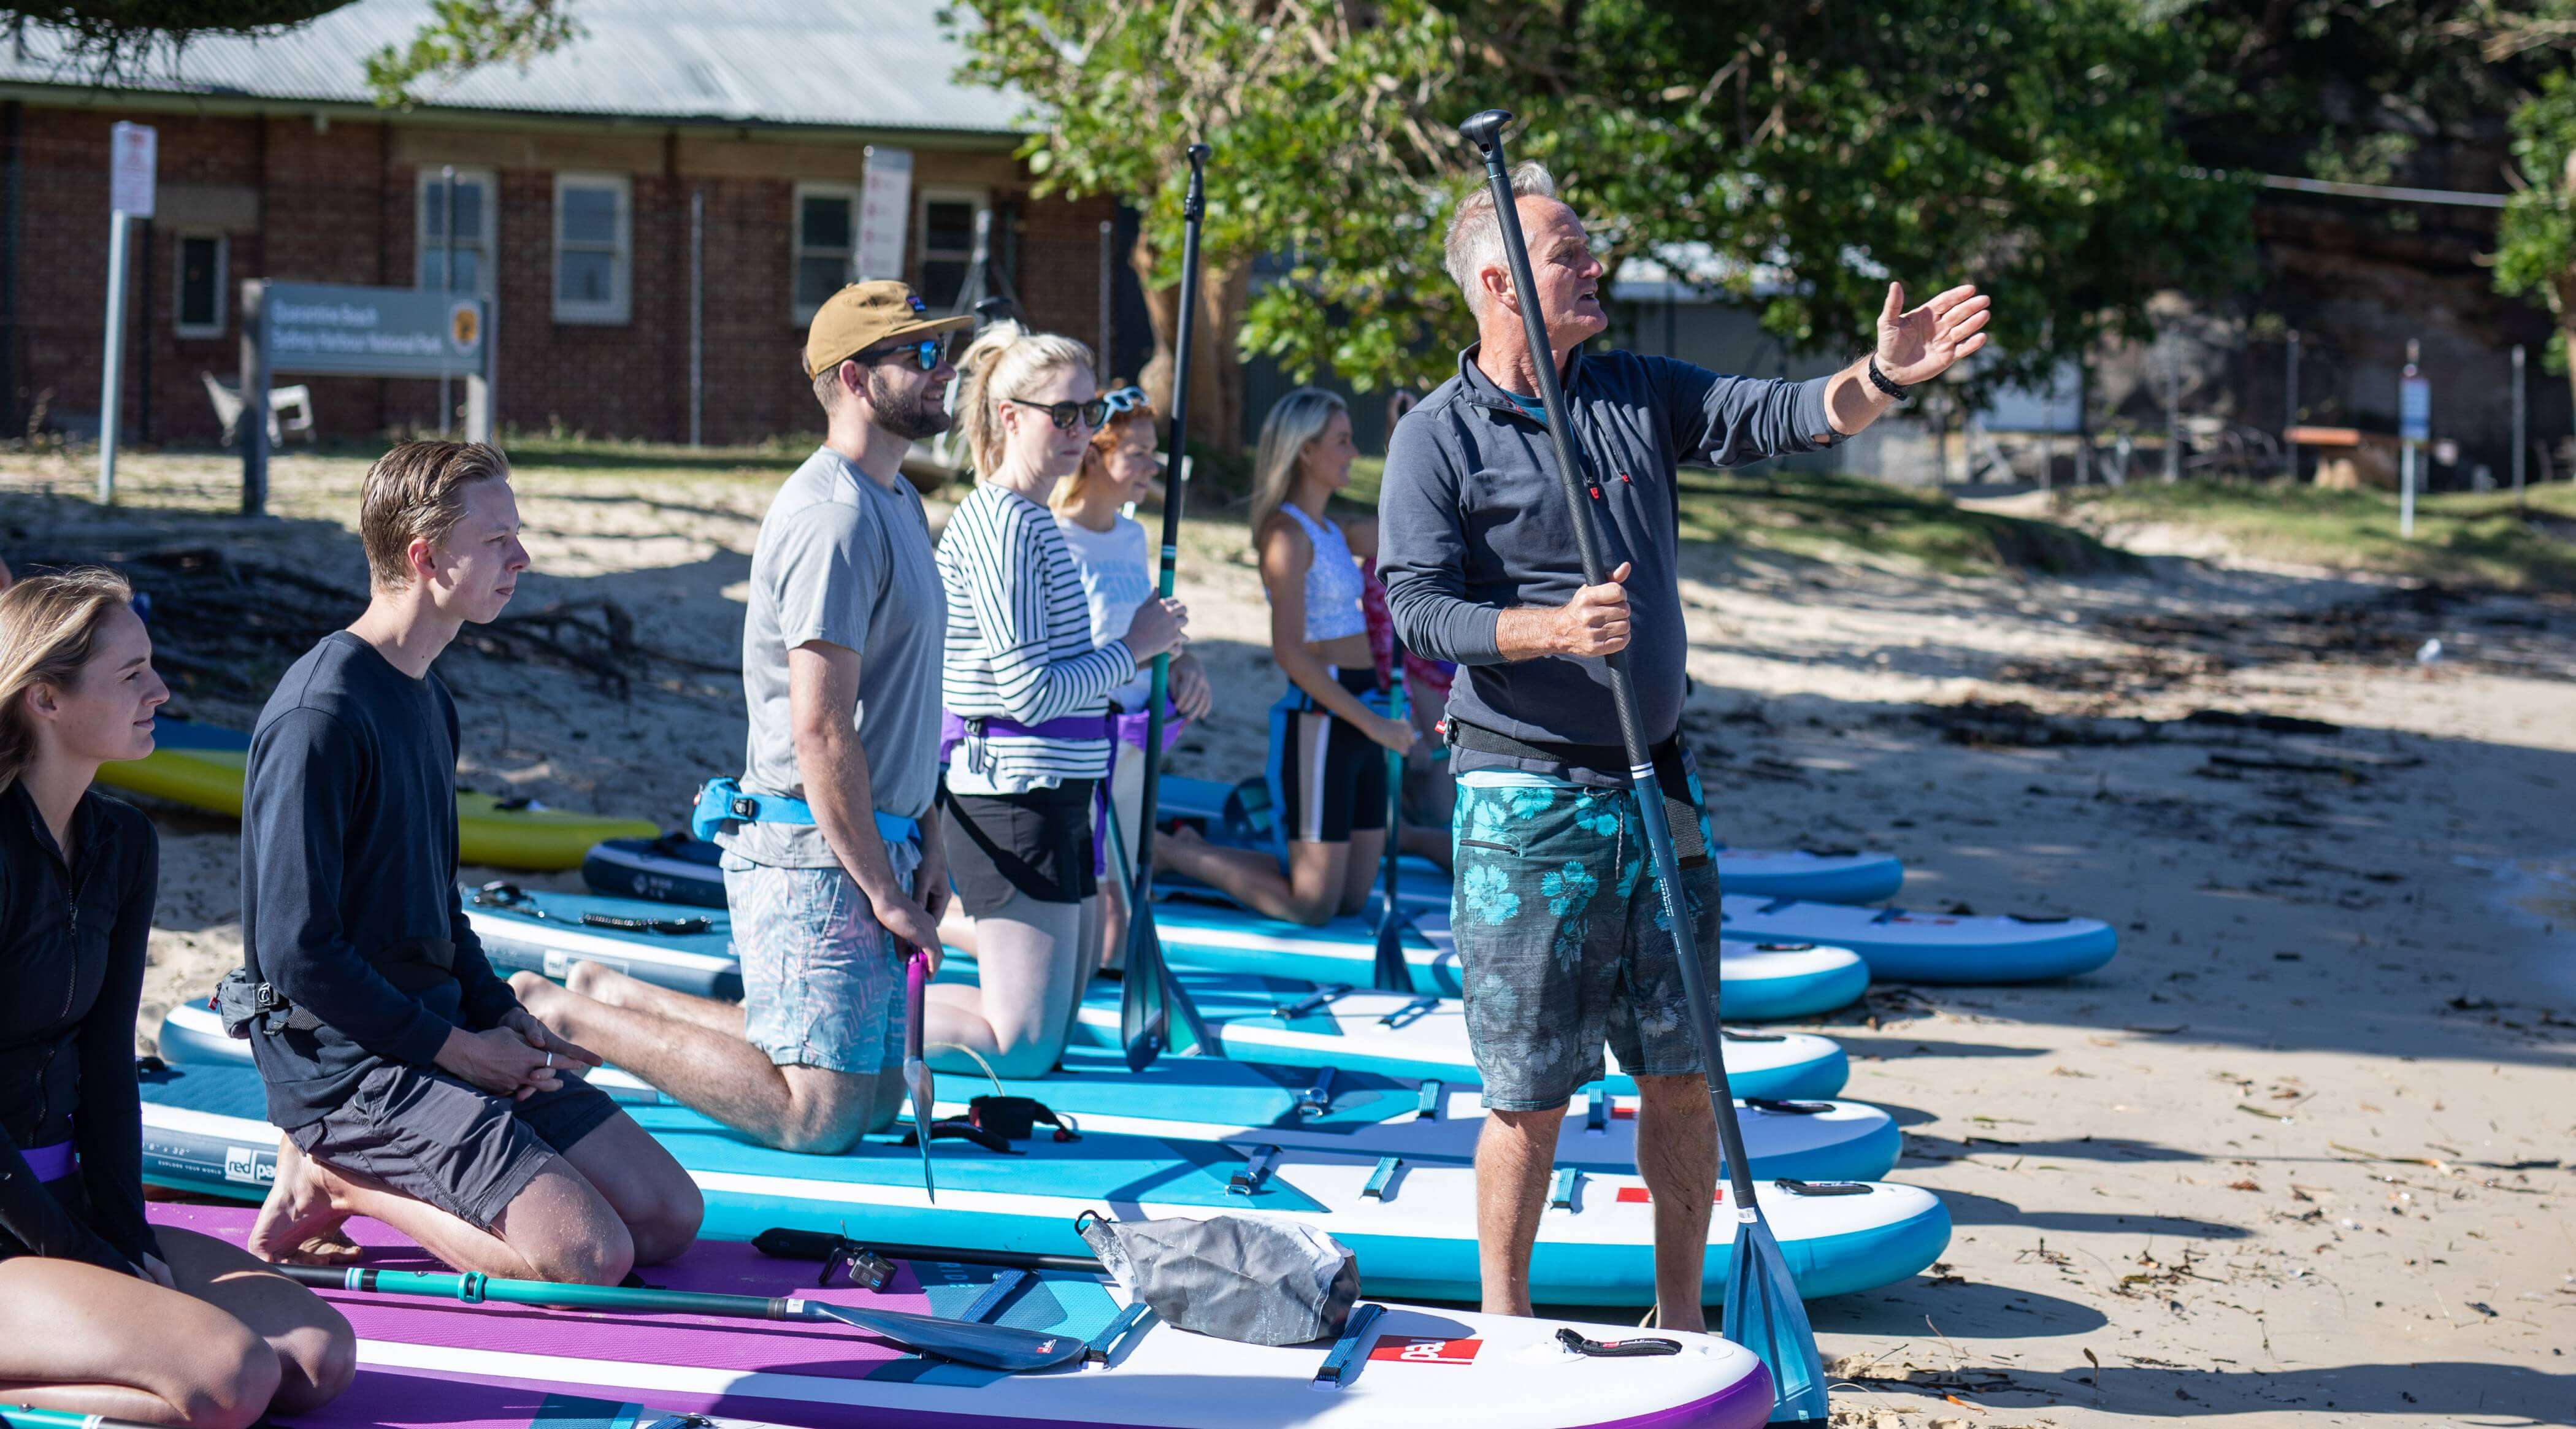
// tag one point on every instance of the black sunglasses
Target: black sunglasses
(929, 352)
(1065, 414)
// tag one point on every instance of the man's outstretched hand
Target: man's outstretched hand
(1920, 345)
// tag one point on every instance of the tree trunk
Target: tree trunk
(1216, 382)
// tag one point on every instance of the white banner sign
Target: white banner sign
(885, 213)
(133, 151)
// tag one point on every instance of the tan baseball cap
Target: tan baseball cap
(866, 315)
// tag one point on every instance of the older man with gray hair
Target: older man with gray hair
(1560, 936)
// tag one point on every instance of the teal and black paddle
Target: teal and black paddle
(1145, 1035)
(20, 1416)
(989, 1346)
(1763, 1312)
(1391, 974)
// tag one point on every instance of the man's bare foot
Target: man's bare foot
(547, 1001)
(299, 1223)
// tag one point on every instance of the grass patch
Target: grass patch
(1831, 517)
(2461, 538)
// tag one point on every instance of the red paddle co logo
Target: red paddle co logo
(1414, 1349)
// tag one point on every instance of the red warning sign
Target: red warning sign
(1412, 1350)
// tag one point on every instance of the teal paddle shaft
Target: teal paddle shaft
(1789, 1347)
(1144, 941)
(1391, 974)
(19, 1416)
(991, 1346)
(1185, 329)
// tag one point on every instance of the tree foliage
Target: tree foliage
(2024, 145)
(115, 36)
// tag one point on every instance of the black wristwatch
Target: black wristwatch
(1882, 381)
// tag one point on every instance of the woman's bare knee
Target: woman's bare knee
(226, 1377)
(317, 1363)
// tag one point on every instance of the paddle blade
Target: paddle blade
(1144, 1016)
(1764, 1314)
(916, 1071)
(1392, 973)
(965, 1341)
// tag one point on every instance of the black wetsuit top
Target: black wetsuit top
(72, 940)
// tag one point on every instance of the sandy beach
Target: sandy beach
(2304, 1154)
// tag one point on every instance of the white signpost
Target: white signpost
(885, 212)
(133, 154)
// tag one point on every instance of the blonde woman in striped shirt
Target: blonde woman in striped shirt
(1027, 694)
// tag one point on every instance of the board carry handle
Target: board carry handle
(1344, 1361)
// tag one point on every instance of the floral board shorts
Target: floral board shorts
(822, 982)
(1562, 936)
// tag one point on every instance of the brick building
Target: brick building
(577, 182)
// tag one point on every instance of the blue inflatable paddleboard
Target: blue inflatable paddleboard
(1411, 1226)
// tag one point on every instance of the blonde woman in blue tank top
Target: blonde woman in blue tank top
(1329, 736)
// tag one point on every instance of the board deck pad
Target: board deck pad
(1419, 1365)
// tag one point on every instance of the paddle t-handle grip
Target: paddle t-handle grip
(1485, 130)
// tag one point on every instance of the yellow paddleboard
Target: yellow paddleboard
(200, 765)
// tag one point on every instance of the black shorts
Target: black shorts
(1038, 843)
(437, 1139)
(1326, 777)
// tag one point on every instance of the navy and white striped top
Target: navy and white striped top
(1019, 645)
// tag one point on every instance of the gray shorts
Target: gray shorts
(1562, 938)
(449, 1143)
(822, 982)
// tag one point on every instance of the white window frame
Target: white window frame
(179, 242)
(425, 182)
(619, 307)
(982, 202)
(797, 252)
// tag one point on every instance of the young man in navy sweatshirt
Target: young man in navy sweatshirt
(410, 1083)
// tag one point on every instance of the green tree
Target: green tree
(2536, 242)
(2024, 145)
(116, 35)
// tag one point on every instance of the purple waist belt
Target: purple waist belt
(51, 1163)
(1115, 726)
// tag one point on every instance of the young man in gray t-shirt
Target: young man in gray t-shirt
(844, 870)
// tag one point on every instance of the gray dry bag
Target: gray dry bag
(1260, 1281)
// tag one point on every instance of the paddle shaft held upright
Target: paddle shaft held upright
(1485, 131)
(1185, 329)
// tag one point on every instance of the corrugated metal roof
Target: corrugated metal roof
(865, 64)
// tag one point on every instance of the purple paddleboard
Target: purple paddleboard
(478, 1364)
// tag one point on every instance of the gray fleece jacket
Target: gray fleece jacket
(1471, 522)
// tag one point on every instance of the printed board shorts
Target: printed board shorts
(822, 981)
(442, 1140)
(1563, 940)
(1327, 779)
(1040, 843)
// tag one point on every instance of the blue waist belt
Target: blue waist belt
(723, 801)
